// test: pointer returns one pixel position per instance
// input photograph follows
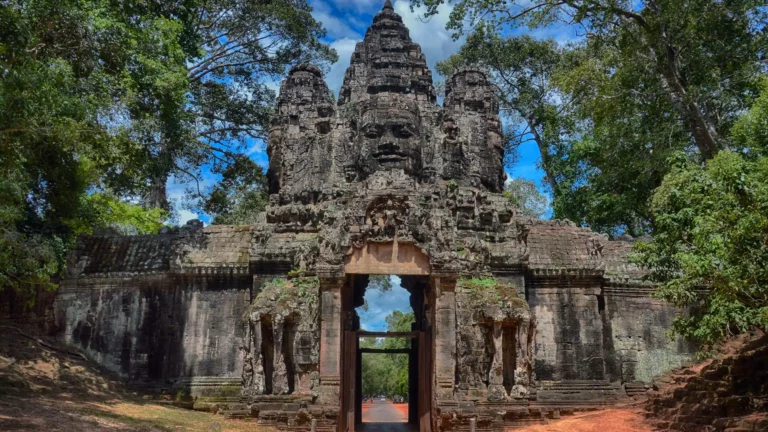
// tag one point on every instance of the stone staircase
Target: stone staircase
(726, 394)
(578, 393)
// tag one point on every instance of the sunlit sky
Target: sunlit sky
(346, 22)
(381, 304)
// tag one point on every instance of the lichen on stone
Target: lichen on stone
(283, 323)
(490, 299)
(283, 296)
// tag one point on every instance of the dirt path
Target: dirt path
(610, 420)
(43, 389)
(383, 412)
(62, 414)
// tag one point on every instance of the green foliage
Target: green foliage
(527, 197)
(382, 283)
(204, 96)
(709, 249)
(483, 291)
(101, 102)
(750, 133)
(63, 67)
(387, 374)
(107, 211)
(279, 292)
(240, 196)
(652, 79)
(478, 283)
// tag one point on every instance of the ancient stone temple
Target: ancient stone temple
(517, 320)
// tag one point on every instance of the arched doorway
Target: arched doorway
(412, 268)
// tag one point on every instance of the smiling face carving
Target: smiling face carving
(390, 138)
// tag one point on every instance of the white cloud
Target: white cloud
(436, 42)
(185, 216)
(562, 33)
(337, 28)
(381, 304)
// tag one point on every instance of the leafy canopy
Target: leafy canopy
(709, 249)
(102, 102)
(526, 195)
(649, 80)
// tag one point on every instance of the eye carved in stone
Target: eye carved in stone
(404, 131)
(372, 132)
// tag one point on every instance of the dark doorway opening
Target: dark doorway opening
(387, 350)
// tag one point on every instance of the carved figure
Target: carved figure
(390, 136)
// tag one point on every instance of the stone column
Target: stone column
(496, 392)
(524, 379)
(253, 370)
(279, 368)
(445, 336)
(330, 339)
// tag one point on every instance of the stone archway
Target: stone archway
(409, 262)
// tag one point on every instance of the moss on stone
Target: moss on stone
(483, 292)
(281, 294)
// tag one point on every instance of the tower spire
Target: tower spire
(388, 5)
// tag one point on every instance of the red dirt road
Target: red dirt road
(385, 412)
(610, 420)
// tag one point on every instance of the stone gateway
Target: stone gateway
(517, 320)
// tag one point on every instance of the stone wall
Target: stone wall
(569, 329)
(157, 330)
(635, 327)
(32, 309)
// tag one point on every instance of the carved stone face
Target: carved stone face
(390, 139)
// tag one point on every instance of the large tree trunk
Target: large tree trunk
(549, 175)
(702, 130)
(157, 197)
(700, 126)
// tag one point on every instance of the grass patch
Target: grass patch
(165, 418)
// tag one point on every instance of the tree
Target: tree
(709, 247)
(704, 53)
(526, 195)
(240, 197)
(521, 70)
(62, 67)
(101, 102)
(213, 99)
(381, 283)
(650, 80)
(750, 133)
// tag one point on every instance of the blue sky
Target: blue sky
(381, 304)
(346, 22)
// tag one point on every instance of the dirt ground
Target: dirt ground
(60, 413)
(45, 389)
(624, 419)
(610, 420)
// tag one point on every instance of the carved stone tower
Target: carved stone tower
(516, 319)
